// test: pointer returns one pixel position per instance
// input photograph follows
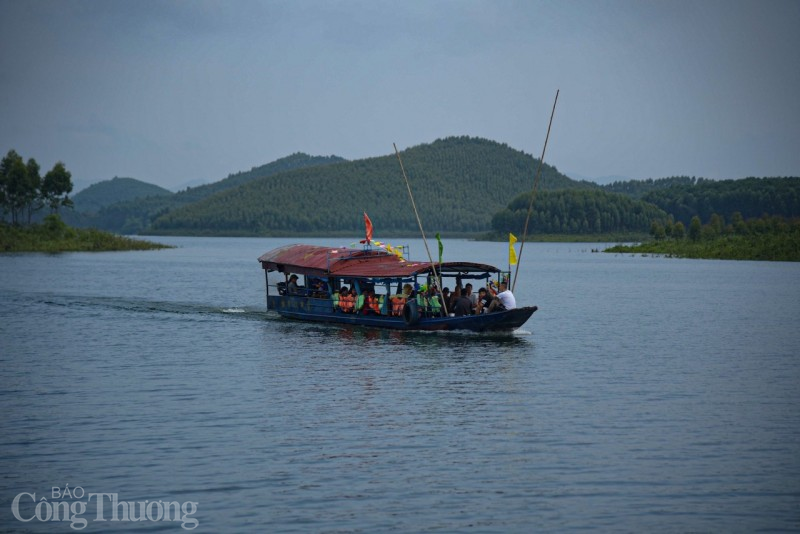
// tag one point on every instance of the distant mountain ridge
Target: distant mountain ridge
(108, 192)
(462, 185)
(298, 160)
(600, 180)
(132, 216)
(458, 183)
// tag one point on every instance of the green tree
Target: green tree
(657, 230)
(695, 228)
(717, 223)
(33, 200)
(56, 186)
(17, 189)
(668, 226)
(5, 168)
(678, 230)
(739, 226)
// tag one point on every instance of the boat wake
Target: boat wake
(190, 310)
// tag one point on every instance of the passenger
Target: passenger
(399, 301)
(293, 288)
(346, 300)
(434, 304)
(484, 300)
(491, 288)
(383, 304)
(461, 306)
(504, 300)
(473, 298)
(371, 305)
(320, 288)
(456, 293)
(421, 296)
(358, 299)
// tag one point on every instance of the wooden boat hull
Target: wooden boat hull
(321, 310)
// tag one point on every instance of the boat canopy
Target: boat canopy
(353, 263)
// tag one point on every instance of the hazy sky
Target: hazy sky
(169, 92)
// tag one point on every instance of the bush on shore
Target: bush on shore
(768, 238)
(53, 235)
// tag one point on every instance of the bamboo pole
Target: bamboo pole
(421, 231)
(533, 192)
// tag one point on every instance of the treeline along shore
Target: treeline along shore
(53, 235)
(768, 238)
(24, 192)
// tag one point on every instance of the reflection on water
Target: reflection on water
(318, 335)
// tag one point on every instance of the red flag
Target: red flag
(368, 224)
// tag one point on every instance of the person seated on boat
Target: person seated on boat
(408, 291)
(319, 288)
(504, 300)
(359, 299)
(434, 304)
(399, 301)
(371, 303)
(454, 295)
(484, 300)
(461, 306)
(428, 301)
(473, 298)
(292, 288)
(347, 301)
(446, 296)
(421, 296)
(281, 288)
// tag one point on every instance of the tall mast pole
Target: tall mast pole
(533, 193)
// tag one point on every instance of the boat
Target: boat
(304, 282)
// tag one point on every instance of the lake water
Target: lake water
(646, 394)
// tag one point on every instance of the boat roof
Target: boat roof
(355, 263)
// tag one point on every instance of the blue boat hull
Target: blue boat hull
(321, 310)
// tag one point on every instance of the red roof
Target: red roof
(351, 263)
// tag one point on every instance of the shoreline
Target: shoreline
(53, 236)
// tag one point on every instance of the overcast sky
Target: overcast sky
(169, 92)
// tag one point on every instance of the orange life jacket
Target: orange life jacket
(346, 303)
(371, 303)
(398, 301)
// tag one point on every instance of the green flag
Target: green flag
(441, 247)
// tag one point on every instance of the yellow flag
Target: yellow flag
(512, 254)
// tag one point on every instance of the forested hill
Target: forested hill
(640, 204)
(458, 184)
(135, 216)
(639, 188)
(105, 193)
(750, 197)
(577, 212)
(297, 160)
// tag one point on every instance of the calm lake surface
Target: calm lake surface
(646, 394)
